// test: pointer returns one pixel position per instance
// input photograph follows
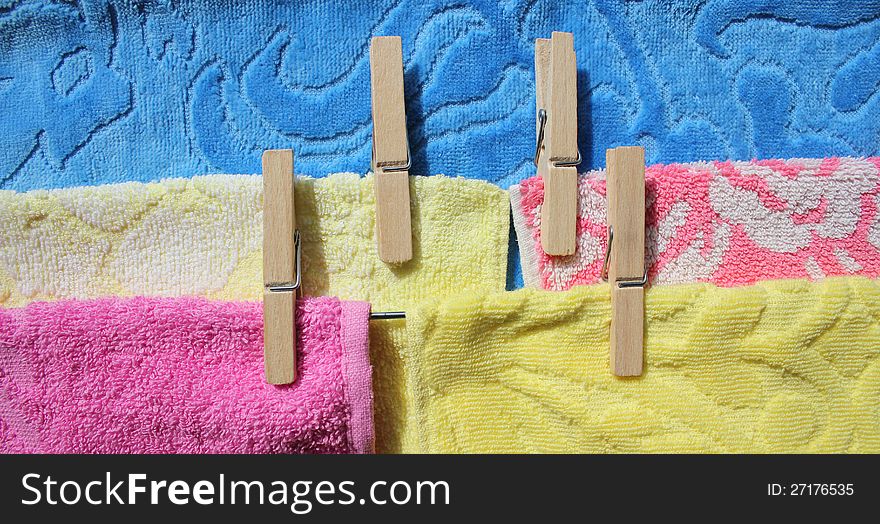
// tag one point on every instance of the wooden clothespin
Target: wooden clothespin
(625, 258)
(391, 159)
(281, 267)
(556, 153)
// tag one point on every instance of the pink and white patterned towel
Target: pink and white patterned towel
(729, 223)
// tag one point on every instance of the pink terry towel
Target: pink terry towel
(728, 223)
(180, 375)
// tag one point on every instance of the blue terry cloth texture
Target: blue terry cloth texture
(100, 91)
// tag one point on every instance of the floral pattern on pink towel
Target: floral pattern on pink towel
(729, 223)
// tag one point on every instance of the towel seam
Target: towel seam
(357, 371)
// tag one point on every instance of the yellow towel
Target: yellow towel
(203, 236)
(782, 366)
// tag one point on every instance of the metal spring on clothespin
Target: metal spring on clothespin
(390, 154)
(621, 282)
(556, 149)
(624, 263)
(296, 285)
(282, 268)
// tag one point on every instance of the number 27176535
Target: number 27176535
(816, 489)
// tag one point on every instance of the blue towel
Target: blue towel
(110, 90)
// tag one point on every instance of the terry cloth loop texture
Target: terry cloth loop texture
(180, 375)
(728, 223)
(781, 366)
(120, 90)
(203, 236)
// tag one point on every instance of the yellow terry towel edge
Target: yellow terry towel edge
(780, 366)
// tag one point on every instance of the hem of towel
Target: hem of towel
(358, 373)
(528, 258)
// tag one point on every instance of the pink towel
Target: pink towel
(728, 223)
(180, 375)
